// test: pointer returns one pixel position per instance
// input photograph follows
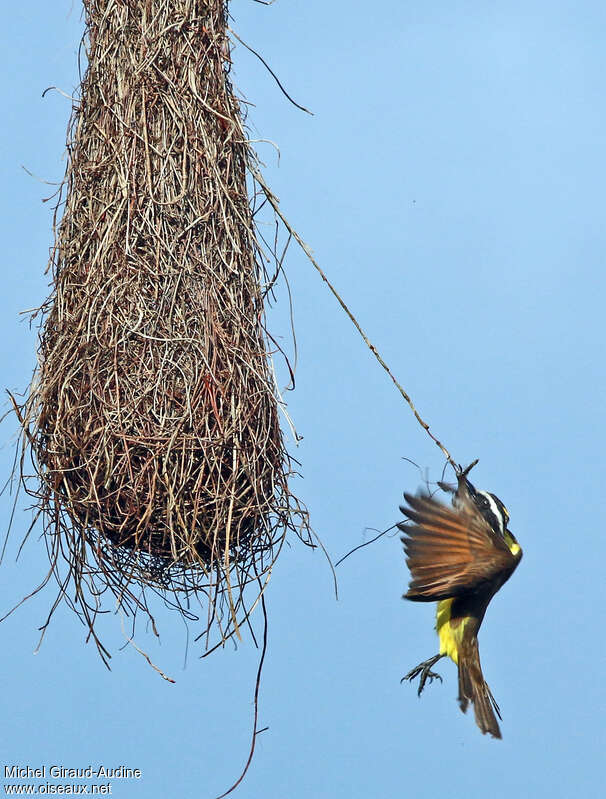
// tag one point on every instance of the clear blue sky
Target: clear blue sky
(451, 183)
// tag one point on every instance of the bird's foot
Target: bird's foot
(424, 669)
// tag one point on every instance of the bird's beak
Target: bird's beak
(464, 472)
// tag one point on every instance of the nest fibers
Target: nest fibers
(152, 419)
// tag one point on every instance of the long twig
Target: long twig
(365, 544)
(255, 731)
(271, 72)
(273, 200)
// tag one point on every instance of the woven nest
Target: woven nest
(153, 416)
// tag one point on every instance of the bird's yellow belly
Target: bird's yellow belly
(449, 633)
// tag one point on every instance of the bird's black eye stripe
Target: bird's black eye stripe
(491, 508)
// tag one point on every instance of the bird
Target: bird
(459, 557)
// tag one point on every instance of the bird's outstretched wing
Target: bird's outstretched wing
(451, 551)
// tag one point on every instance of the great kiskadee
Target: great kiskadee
(459, 557)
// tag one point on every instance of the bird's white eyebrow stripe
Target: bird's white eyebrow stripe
(494, 508)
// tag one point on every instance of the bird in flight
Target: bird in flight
(459, 557)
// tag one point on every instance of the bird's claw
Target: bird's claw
(423, 669)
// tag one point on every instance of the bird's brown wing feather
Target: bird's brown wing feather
(451, 551)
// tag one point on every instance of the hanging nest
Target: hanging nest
(152, 419)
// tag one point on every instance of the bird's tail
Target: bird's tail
(473, 688)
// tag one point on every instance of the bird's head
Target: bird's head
(488, 505)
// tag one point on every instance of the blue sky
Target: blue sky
(451, 184)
